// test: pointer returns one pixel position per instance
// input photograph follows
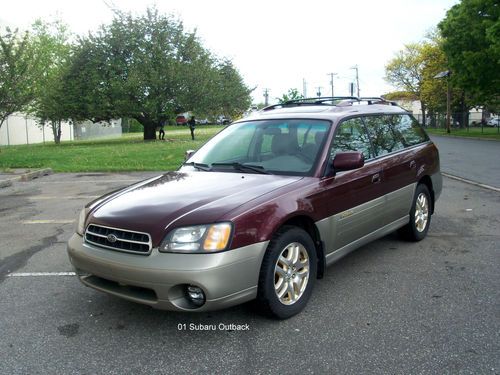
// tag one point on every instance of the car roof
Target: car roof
(320, 109)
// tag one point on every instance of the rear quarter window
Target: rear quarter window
(409, 130)
(384, 137)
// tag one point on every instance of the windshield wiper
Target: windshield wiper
(200, 166)
(243, 167)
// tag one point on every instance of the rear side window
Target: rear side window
(384, 137)
(351, 136)
(409, 130)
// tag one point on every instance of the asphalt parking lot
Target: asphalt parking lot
(391, 307)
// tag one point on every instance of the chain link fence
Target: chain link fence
(460, 121)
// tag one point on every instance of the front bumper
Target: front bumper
(159, 279)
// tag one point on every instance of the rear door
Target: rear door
(394, 139)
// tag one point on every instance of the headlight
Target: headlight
(80, 224)
(198, 239)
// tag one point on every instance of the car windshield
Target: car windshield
(289, 147)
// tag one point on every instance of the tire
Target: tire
(420, 215)
(289, 269)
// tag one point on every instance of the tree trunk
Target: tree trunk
(149, 132)
(432, 117)
(56, 130)
(424, 110)
(149, 127)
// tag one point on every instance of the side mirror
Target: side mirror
(188, 154)
(345, 161)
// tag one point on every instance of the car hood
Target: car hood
(181, 198)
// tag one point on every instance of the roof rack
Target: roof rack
(310, 101)
(335, 101)
(377, 100)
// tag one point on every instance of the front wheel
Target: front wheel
(287, 274)
(420, 215)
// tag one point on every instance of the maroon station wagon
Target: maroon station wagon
(260, 210)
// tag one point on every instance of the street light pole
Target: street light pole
(448, 105)
(446, 74)
(319, 91)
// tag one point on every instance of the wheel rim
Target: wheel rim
(291, 273)
(421, 212)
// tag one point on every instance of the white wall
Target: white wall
(19, 129)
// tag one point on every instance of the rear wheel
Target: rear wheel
(420, 215)
(287, 274)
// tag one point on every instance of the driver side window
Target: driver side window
(352, 136)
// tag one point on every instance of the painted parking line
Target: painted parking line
(29, 222)
(48, 197)
(37, 274)
(90, 181)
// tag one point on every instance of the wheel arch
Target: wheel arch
(307, 223)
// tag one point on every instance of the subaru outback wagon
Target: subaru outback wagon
(262, 209)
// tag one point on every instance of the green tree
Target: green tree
(18, 71)
(149, 68)
(50, 106)
(228, 95)
(291, 94)
(433, 90)
(471, 42)
(405, 71)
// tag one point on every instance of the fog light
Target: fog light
(195, 295)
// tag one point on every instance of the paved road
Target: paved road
(473, 159)
(389, 308)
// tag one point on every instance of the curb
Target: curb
(26, 177)
(462, 137)
(6, 183)
(470, 182)
(35, 174)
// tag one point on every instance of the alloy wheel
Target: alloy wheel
(291, 273)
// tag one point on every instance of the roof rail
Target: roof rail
(335, 100)
(310, 101)
(377, 100)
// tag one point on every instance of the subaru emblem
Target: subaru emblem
(111, 238)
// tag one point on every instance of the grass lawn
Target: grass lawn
(488, 132)
(128, 153)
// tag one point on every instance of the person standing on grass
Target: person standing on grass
(161, 133)
(192, 124)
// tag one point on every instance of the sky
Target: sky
(275, 44)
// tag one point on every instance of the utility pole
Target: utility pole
(319, 91)
(355, 67)
(304, 88)
(266, 97)
(331, 80)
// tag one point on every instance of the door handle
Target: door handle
(376, 178)
(413, 164)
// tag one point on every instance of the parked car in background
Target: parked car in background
(203, 121)
(262, 208)
(223, 120)
(493, 121)
(181, 120)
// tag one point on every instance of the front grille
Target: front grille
(118, 239)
